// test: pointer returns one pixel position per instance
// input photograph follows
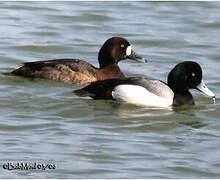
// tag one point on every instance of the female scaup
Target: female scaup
(77, 71)
(151, 92)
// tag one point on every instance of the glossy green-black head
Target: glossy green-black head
(187, 75)
(114, 50)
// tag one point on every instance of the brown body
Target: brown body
(69, 71)
(75, 71)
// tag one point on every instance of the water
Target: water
(43, 122)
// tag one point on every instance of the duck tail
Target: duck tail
(82, 93)
(14, 72)
(8, 73)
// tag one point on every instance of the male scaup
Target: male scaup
(77, 71)
(151, 92)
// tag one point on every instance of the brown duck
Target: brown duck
(75, 71)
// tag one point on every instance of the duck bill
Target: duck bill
(136, 57)
(204, 89)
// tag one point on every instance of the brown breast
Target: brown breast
(109, 72)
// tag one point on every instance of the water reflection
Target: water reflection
(124, 110)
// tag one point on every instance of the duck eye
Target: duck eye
(122, 45)
(193, 74)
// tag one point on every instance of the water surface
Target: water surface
(43, 122)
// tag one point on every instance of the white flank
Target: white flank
(128, 51)
(138, 95)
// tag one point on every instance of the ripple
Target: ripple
(25, 127)
(43, 121)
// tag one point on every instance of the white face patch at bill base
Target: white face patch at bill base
(138, 95)
(128, 51)
(203, 88)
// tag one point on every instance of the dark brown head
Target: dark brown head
(114, 50)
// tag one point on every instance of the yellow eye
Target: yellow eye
(122, 45)
(193, 74)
